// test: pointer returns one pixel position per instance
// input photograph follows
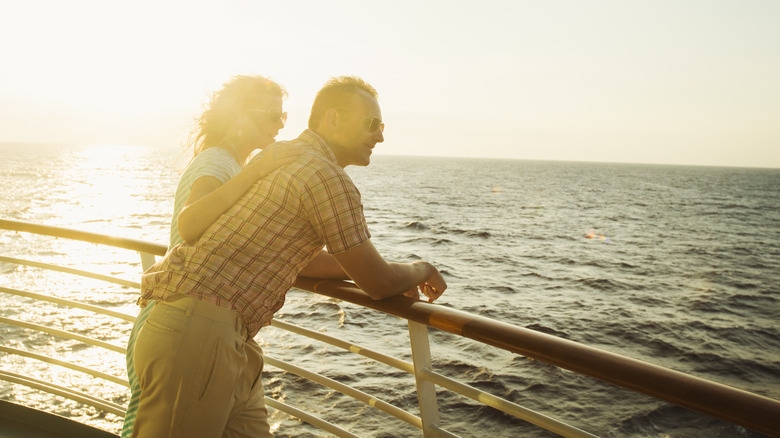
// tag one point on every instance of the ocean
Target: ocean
(674, 265)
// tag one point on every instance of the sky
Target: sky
(669, 82)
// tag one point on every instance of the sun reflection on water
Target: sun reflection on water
(109, 189)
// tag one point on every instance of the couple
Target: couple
(239, 239)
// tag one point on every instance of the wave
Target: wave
(691, 285)
(421, 226)
(416, 225)
(548, 330)
(429, 241)
(665, 418)
(605, 284)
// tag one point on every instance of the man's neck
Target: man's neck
(331, 143)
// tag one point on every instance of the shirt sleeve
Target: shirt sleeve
(212, 162)
(333, 206)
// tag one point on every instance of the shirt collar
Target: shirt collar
(310, 137)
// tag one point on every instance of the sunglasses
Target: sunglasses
(374, 124)
(273, 115)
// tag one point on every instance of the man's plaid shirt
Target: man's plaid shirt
(249, 258)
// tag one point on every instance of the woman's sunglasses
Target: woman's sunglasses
(273, 115)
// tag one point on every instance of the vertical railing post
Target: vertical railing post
(426, 390)
(147, 260)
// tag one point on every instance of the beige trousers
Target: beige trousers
(199, 375)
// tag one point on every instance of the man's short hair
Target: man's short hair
(337, 93)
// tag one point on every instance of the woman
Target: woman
(246, 114)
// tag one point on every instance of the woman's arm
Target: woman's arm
(209, 198)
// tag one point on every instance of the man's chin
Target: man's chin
(367, 158)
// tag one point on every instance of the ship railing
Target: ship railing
(749, 410)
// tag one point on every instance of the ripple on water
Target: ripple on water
(684, 283)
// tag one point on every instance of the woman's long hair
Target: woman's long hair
(228, 106)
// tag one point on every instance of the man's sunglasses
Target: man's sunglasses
(273, 115)
(374, 124)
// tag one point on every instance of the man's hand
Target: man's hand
(413, 293)
(432, 288)
(380, 279)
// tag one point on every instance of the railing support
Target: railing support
(426, 390)
(742, 408)
(147, 260)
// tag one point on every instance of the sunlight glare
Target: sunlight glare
(114, 185)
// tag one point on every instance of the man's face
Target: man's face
(354, 139)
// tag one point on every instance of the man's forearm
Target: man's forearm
(380, 279)
(402, 278)
(324, 265)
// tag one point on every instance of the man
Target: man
(196, 359)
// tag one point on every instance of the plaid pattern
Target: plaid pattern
(249, 258)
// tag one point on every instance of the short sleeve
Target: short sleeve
(214, 162)
(333, 207)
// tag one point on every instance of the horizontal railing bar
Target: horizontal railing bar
(84, 236)
(506, 406)
(69, 303)
(309, 418)
(65, 364)
(79, 272)
(746, 409)
(68, 393)
(347, 390)
(743, 408)
(63, 334)
(388, 360)
(371, 354)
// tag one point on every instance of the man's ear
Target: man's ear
(331, 119)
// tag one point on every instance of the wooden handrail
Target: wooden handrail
(746, 409)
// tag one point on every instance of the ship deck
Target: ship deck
(22, 422)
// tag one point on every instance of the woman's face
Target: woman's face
(264, 121)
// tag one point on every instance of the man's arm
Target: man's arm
(324, 265)
(380, 279)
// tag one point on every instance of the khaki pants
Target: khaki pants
(199, 375)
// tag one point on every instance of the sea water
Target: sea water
(674, 265)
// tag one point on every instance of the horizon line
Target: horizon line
(382, 153)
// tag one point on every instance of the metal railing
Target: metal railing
(746, 409)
